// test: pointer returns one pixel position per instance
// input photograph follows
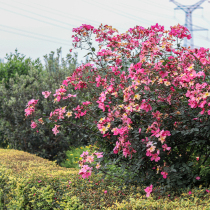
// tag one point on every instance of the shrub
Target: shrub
(16, 63)
(16, 128)
(150, 106)
(54, 187)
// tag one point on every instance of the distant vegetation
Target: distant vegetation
(22, 80)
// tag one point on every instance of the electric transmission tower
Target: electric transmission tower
(188, 9)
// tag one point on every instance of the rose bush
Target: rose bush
(149, 98)
(19, 132)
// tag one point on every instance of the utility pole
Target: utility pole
(188, 9)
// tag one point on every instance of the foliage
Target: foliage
(16, 63)
(53, 64)
(15, 128)
(55, 187)
(73, 156)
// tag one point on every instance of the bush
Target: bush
(22, 188)
(54, 187)
(16, 128)
(151, 107)
(16, 63)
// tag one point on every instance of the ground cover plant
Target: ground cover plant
(55, 187)
(149, 101)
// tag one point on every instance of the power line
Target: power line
(124, 14)
(33, 37)
(61, 13)
(36, 19)
(143, 11)
(38, 14)
(204, 38)
(157, 5)
(33, 33)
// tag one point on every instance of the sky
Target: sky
(37, 27)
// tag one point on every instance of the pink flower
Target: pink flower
(39, 181)
(197, 158)
(115, 151)
(165, 147)
(86, 103)
(148, 190)
(126, 152)
(207, 191)
(190, 192)
(85, 171)
(46, 94)
(164, 174)
(32, 102)
(29, 111)
(105, 191)
(65, 82)
(98, 165)
(197, 177)
(84, 154)
(90, 159)
(146, 106)
(155, 157)
(99, 154)
(33, 124)
(70, 95)
(55, 129)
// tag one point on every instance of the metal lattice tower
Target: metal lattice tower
(188, 9)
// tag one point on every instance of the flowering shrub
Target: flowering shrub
(149, 101)
(18, 128)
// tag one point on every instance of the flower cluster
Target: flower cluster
(30, 107)
(46, 94)
(85, 170)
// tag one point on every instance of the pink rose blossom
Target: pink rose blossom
(84, 154)
(164, 174)
(33, 124)
(98, 165)
(46, 94)
(148, 190)
(99, 154)
(90, 159)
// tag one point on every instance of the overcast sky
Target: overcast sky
(37, 27)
